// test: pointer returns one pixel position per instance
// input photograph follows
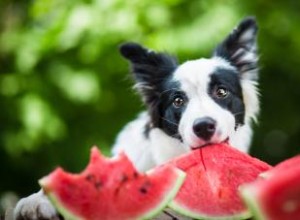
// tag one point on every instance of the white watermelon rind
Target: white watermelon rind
(248, 193)
(167, 198)
(196, 215)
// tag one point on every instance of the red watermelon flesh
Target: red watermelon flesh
(291, 163)
(214, 174)
(277, 197)
(111, 189)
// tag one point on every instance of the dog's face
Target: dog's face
(211, 96)
(201, 101)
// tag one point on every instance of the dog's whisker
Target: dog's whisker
(177, 135)
(169, 121)
(238, 113)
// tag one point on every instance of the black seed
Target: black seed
(143, 190)
(145, 186)
(90, 177)
(124, 178)
(98, 184)
(135, 175)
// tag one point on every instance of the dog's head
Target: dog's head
(200, 101)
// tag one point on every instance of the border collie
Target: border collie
(193, 104)
(189, 106)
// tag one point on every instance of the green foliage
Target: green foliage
(64, 87)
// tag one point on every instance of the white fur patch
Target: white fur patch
(251, 99)
(35, 206)
(194, 75)
(164, 147)
(133, 142)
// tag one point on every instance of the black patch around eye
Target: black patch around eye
(234, 101)
(167, 117)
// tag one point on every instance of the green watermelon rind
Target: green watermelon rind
(167, 198)
(56, 203)
(248, 194)
(186, 212)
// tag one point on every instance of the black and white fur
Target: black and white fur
(188, 106)
(195, 103)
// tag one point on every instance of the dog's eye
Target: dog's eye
(178, 102)
(221, 92)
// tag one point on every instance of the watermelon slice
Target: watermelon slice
(277, 196)
(290, 163)
(111, 189)
(214, 174)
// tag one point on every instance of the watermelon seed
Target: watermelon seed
(124, 178)
(145, 186)
(90, 177)
(98, 184)
(143, 190)
(135, 175)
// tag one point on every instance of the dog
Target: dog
(189, 105)
(194, 104)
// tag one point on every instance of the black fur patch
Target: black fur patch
(229, 79)
(168, 116)
(239, 44)
(152, 72)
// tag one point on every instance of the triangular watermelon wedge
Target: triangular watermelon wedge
(276, 196)
(214, 174)
(111, 189)
(291, 163)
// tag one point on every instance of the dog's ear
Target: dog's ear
(240, 49)
(149, 69)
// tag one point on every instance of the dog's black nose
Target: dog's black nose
(204, 127)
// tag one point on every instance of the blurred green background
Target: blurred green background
(64, 87)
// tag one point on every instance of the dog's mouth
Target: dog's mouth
(226, 140)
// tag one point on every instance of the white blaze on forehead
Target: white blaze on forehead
(194, 78)
(194, 75)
